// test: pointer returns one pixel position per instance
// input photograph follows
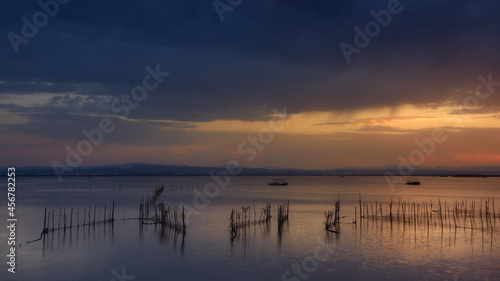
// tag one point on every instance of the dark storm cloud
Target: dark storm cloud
(264, 54)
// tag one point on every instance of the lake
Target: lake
(301, 249)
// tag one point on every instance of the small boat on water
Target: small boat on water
(413, 182)
(278, 182)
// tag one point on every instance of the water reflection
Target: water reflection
(370, 249)
(74, 237)
(167, 234)
(283, 227)
(415, 235)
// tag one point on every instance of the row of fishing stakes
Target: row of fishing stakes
(470, 214)
(164, 215)
(243, 218)
(145, 203)
(65, 219)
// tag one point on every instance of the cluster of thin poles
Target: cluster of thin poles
(332, 218)
(172, 218)
(243, 218)
(460, 214)
(164, 215)
(283, 212)
(65, 219)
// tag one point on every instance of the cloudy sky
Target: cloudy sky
(433, 65)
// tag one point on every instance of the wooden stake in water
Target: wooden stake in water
(390, 210)
(494, 216)
(360, 204)
(454, 218)
(44, 219)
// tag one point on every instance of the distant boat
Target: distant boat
(413, 182)
(278, 182)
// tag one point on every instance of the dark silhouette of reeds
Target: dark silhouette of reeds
(108, 216)
(332, 218)
(283, 213)
(156, 193)
(172, 218)
(243, 218)
(461, 214)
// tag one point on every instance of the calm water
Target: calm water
(367, 250)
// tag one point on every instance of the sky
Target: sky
(264, 83)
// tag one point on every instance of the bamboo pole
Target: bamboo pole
(390, 210)
(44, 219)
(454, 218)
(359, 192)
(399, 206)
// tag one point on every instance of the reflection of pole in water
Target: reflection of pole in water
(244, 244)
(482, 244)
(279, 236)
(491, 243)
(141, 230)
(43, 246)
(182, 243)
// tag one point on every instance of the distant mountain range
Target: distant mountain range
(144, 169)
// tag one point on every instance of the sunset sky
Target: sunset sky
(435, 65)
